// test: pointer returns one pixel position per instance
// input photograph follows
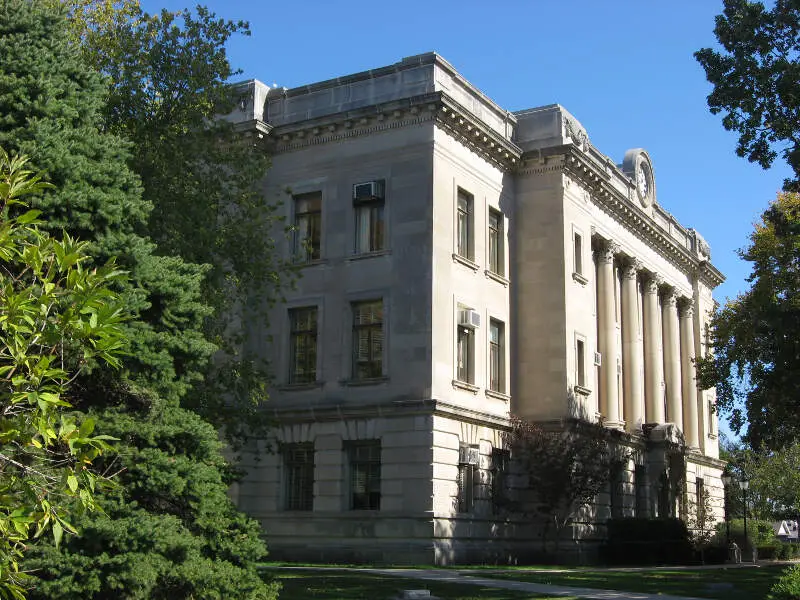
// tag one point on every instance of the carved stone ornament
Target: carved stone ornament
(652, 283)
(638, 167)
(576, 133)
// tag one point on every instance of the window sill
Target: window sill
(364, 382)
(497, 277)
(297, 387)
(365, 255)
(498, 395)
(582, 390)
(463, 385)
(580, 278)
(310, 263)
(466, 262)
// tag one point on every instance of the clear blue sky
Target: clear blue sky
(625, 69)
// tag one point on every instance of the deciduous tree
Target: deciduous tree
(756, 79)
(756, 336)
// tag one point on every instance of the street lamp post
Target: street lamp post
(744, 484)
(726, 481)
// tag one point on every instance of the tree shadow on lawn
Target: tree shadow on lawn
(361, 586)
(723, 584)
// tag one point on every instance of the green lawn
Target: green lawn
(302, 585)
(747, 583)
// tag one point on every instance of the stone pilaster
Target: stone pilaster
(691, 423)
(672, 359)
(633, 413)
(606, 329)
(653, 361)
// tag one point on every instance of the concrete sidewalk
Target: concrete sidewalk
(452, 576)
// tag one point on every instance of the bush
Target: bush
(788, 586)
(647, 542)
(784, 551)
(768, 551)
(759, 532)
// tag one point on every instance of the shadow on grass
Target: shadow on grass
(361, 586)
(724, 584)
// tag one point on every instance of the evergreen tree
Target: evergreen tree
(170, 530)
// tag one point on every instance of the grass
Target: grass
(724, 584)
(329, 585)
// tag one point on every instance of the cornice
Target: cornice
(597, 179)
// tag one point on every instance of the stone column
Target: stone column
(653, 361)
(633, 413)
(672, 360)
(691, 422)
(607, 335)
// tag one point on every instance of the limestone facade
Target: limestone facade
(461, 263)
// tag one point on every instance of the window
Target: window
(365, 475)
(464, 224)
(700, 496)
(497, 350)
(465, 369)
(466, 488)
(500, 460)
(578, 253)
(308, 226)
(368, 339)
(298, 463)
(303, 345)
(370, 226)
(496, 254)
(580, 363)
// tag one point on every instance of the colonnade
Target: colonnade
(664, 353)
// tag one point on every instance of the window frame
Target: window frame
(496, 243)
(501, 459)
(376, 227)
(298, 496)
(371, 499)
(303, 253)
(498, 383)
(375, 361)
(294, 334)
(465, 373)
(465, 494)
(465, 225)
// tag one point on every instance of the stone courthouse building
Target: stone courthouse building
(462, 263)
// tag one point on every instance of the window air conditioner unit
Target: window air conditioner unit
(469, 318)
(368, 191)
(468, 455)
(598, 359)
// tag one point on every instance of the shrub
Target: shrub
(768, 551)
(788, 586)
(647, 542)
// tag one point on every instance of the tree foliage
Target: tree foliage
(57, 316)
(170, 76)
(756, 336)
(559, 471)
(756, 79)
(169, 528)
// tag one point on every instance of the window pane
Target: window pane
(496, 256)
(370, 228)
(496, 356)
(368, 339)
(303, 345)
(308, 226)
(299, 480)
(578, 254)
(464, 224)
(365, 475)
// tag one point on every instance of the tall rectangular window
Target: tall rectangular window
(497, 353)
(499, 472)
(700, 494)
(298, 464)
(580, 363)
(303, 345)
(365, 475)
(368, 339)
(578, 253)
(370, 228)
(465, 354)
(497, 258)
(308, 226)
(464, 225)
(466, 488)
(640, 483)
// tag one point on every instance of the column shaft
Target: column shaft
(631, 351)
(653, 361)
(606, 329)
(672, 362)
(691, 423)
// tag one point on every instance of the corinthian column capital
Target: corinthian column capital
(630, 268)
(670, 297)
(606, 250)
(686, 307)
(652, 283)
